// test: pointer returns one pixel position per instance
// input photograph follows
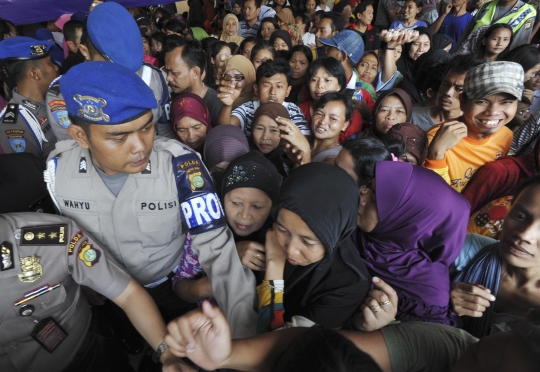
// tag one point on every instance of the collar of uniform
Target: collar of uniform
(31, 105)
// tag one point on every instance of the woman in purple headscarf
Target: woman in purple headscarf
(412, 228)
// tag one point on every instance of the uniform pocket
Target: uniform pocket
(160, 229)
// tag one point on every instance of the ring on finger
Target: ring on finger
(385, 303)
(258, 255)
(375, 308)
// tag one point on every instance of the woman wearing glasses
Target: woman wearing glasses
(240, 69)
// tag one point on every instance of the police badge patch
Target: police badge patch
(88, 254)
(91, 108)
(31, 269)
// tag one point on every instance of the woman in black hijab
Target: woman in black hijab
(313, 271)
(411, 51)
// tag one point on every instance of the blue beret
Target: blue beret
(22, 47)
(79, 16)
(115, 35)
(105, 93)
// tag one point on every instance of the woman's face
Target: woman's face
(519, 244)
(410, 10)
(310, 6)
(346, 13)
(225, 51)
(299, 65)
(246, 209)
(237, 76)
(321, 82)
(230, 27)
(532, 78)
(419, 47)
(262, 56)
(267, 28)
(366, 17)
(237, 9)
(156, 46)
(329, 121)
(391, 112)
(280, 44)
(368, 67)
(265, 134)
(246, 52)
(280, 2)
(191, 132)
(146, 46)
(497, 42)
(299, 243)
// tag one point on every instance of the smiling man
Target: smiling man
(140, 196)
(489, 101)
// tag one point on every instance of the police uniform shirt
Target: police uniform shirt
(145, 226)
(41, 250)
(24, 127)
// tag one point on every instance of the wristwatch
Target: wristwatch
(160, 349)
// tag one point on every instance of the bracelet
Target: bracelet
(387, 48)
(160, 350)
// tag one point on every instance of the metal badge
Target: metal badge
(7, 257)
(91, 108)
(31, 269)
(26, 310)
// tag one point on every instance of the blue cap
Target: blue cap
(79, 16)
(105, 93)
(349, 42)
(44, 34)
(20, 48)
(115, 35)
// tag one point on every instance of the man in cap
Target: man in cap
(46, 324)
(489, 101)
(23, 123)
(348, 47)
(140, 196)
(111, 34)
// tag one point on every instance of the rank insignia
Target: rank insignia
(88, 254)
(83, 165)
(44, 235)
(12, 114)
(31, 269)
(91, 108)
(31, 105)
(38, 50)
(7, 257)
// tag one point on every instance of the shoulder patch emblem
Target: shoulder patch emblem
(88, 254)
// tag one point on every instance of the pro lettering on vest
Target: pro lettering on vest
(202, 210)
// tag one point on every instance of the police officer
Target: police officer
(140, 196)
(45, 322)
(23, 123)
(111, 34)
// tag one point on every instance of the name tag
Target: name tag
(202, 210)
(78, 204)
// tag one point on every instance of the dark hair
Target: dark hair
(435, 77)
(164, 12)
(192, 53)
(271, 20)
(249, 39)
(397, 147)
(175, 25)
(305, 20)
(258, 3)
(211, 52)
(418, 3)
(70, 30)
(4, 29)
(162, 21)
(302, 49)
(361, 7)
(338, 23)
(526, 55)
(260, 46)
(366, 152)
(461, 64)
(270, 68)
(17, 69)
(324, 350)
(337, 96)
(85, 40)
(283, 55)
(159, 37)
(338, 8)
(332, 66)
(532, 181)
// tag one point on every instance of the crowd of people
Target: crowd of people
(272, 186)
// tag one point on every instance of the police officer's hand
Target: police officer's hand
(94, 298)
(448, 135)
(252, 255)
(202, 335)
(228, 91)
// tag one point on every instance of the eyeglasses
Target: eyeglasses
(234, 77)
